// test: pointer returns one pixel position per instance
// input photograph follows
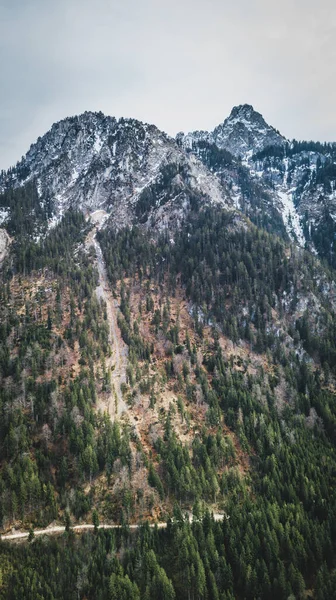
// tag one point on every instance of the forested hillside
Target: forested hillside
(179, 372)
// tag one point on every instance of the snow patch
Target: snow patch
(75, 174)
(290, 217)
(98, 143)
(4, 244)
(4, 214)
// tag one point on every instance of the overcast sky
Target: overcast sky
(181, 64)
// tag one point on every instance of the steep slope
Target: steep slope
(272, 179)
(139, 174)
(250, 194)
(264, 371)
(227, 397)
(303, 176)
(92, 162)
(245, 131)
(227, 151)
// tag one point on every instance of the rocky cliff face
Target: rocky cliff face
(136, 173)
(95, 162)
(303, 177)
(270, 175)
(243, 133)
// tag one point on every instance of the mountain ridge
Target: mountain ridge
(93, 162)
(166, 345)
(243, 131)
(299, 178)
(138, 173)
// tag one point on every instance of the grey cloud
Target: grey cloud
(181, 64)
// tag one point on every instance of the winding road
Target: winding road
(58, 529)
(54, 530)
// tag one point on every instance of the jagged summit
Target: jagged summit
(137, 173)
(85, 134)
(244, 114)
(243, 133)
(243, 110)
(92, 161)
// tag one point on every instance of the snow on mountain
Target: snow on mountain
(269, 175)
(290, 217)
(243, 133)
(96, 162)
(303, 175)
(245, 130)
(4, 213)
(4, 244)
(136, 173)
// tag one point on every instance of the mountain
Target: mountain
(93, 162)
(303, 176)
(168, 365)
(135, 172)
(244, 132)
(275, 176)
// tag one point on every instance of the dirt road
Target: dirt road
(21, 535)
(57, 529)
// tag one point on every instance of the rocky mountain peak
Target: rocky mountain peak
(137, 173)
(92, 161)
(243, 110)
(245, 132)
